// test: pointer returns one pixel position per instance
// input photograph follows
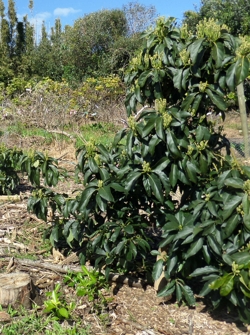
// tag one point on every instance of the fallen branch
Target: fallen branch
(10, 198)
(58, 268)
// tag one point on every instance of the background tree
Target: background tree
(234, 13)
(92, 37)
(139, 17)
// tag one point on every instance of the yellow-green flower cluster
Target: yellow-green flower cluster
(244, 48)
(146, 167)
(236, 268)
(156, 61)
(167, 119)
(100, 183)
(203, 86)
(136, 62)
(207, 197)
(192, 111)
(160, 105)
(160, 29)
(246, 187)
(202, 145)
(185, 57)
(97, 158)
(90, 148)
(146, 60)
(236, 165)
(185, 32)
(132, 123)
(190, 150)
(239, 210)
(210, 29)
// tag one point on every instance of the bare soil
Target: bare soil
(136, 311)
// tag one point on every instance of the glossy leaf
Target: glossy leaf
(157, 269)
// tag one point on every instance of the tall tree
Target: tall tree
(139, 17)
(92, 37)
(12, 19)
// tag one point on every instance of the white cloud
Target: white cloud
(65, 11)
(38, 19)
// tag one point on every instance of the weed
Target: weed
(32, 324)
(57, 306)
(90, 284)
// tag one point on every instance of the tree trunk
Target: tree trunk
(16, 289)
(161, 282)
(243, 115)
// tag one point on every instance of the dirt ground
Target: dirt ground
(133, 310)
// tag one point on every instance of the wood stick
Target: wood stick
(10, 198)
(120, 279)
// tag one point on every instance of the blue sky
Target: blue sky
(69, 11)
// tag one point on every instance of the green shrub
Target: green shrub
(9, 159)
(129, 187)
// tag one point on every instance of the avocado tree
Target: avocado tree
(127, 211)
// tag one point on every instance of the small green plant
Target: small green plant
(90, 284)
(57, 306)
(9, 162)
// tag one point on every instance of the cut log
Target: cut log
(16, 289)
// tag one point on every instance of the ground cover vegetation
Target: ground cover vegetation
(125, 212)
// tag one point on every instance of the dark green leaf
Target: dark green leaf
(143, 78)
(231, 77)
(189, 295)
(93, 165)
(231, 224)
(246, 220)
(131, 180)
(129, 229)
(194, 248)
(214, 244)
(120, 246)
(167, 290)
(173, 177)
(102, 203)
(178, 292)
(159, 128)
(242, 69)
(171, 263)
(148, 127)
(105, 193)
(218, 53)
(216, 99)
(234, 183)
(241, 257)
(204, 271)
(195, 48)
(156, 186)
(157, 269)
(227, 286)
